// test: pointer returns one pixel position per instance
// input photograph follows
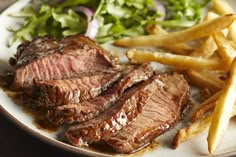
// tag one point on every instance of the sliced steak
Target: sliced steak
(46, 58)
(143, 72)
(60, 92)
(86, 110)
(160, 114)
(115, 118)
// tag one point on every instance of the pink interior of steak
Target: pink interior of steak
(46, 59)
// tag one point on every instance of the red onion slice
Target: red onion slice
(93, 25)
(160, 7)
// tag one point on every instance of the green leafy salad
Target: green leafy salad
(104, 20)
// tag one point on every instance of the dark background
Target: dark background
(14, 142)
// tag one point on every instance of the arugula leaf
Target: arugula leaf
(70, 22)
(124, 18)
(182, 13)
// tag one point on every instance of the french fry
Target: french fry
(209, 46)
(225, 49)
(222, 112)
(222, 7)
(185, 62)
(211, 15)
(191, 131)
(204, 107)
(156, 30)
(207, 79)
(195, 128)
(197, 31)
(180, 48)
(206, 49)
(233, 44)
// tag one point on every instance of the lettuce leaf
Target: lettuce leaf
(182, 13)
(117, 18)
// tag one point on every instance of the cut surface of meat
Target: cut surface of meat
(143, 72)
(46, 58)
(161, 113)
(115, 118)
(80, 112)
(59, 92)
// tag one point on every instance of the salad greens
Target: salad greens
(115, 18)
(182, 13)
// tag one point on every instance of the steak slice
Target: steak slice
(46, 58)
(72, 112)
(115, 118)
(59, 92)
(143, 72)
(160, 114)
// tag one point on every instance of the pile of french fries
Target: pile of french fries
(211, 65)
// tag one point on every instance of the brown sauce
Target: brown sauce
(39, 116)
(44, 124)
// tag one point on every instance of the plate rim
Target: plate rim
(54, 142)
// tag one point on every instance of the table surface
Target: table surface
(14, 142)
(17, 143)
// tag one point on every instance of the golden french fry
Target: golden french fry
(156, 30)
(195, 128)
(207, 79)
(204, 107)
(185, 62)
(209, 46)
(226, 51)
(180, 48)
(192, 130)
(206, 49)
(222, 7)
(223, 110)
(233, 44)
(211, 15)
(197, 31)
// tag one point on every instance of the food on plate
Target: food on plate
(52, 93)
(77, 82)
(78, 112)
(120, 114)
(160, 114)
(223, 110)
(196, 127)
(46, 58)
(181, 14)
(180, 48)
(103, 20)
(205, 107)
(192, 130)
(197, 31)
(208, 47)
(152, 91)
(212, 80)
(206, 66)
(96, 102)
(180, 61)
(226, 51)
(222, 7)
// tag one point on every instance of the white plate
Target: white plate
(195, 147)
